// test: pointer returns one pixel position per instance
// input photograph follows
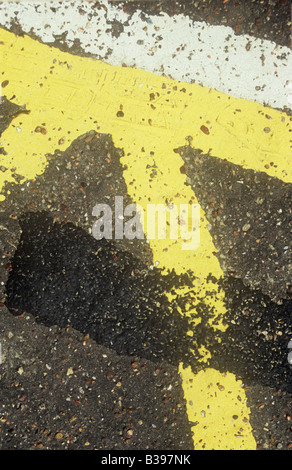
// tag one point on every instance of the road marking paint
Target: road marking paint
(191, 51)
(216, 405)
(149, 117)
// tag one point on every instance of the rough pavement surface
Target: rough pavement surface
(62, 389)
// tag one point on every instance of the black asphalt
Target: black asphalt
(90, 349)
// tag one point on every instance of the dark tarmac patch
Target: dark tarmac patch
(63, 276)
(250, 221)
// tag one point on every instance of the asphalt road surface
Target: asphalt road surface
(126, 344)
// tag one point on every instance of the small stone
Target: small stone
(205, 129)
(246, 227)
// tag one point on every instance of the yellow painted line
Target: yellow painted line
(216, 404)
(148, 116)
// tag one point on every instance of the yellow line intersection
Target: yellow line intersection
(148, 116)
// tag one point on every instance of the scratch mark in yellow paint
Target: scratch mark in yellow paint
(148, 116)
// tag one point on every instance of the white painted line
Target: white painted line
(213, 56)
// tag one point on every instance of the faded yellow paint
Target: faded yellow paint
(216, 404)
(148, 116)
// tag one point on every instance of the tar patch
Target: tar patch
(63, 276)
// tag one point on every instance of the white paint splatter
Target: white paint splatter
(186, 50)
